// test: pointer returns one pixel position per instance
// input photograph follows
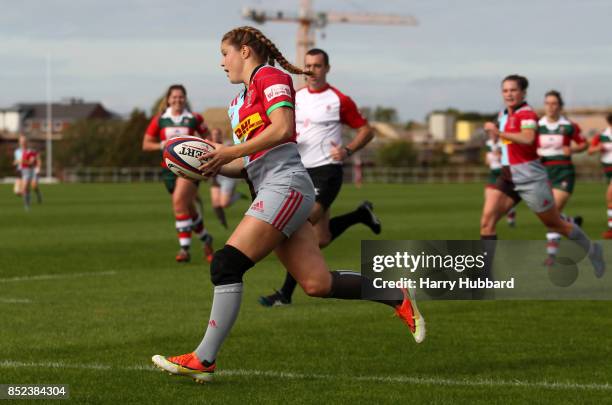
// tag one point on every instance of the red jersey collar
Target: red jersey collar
(524, 103)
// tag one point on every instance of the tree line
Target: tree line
(117, 143)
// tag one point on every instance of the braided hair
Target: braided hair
(262, 46)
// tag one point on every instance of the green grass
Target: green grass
(101, 330)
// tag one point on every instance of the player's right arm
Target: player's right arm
(524, 122)
(151, 140)
(350, 115)
(578, 143)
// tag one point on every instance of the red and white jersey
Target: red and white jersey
(522, 118)
(522, 160)
(167, 126)
(605, 139)
(554, 139)
(28, 158)
(319, 116)
(269, 88)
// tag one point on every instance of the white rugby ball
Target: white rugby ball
(182, 156)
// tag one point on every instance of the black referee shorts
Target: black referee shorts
(327, 181)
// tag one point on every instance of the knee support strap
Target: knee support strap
(229, 265)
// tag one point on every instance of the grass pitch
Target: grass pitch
(89, 291)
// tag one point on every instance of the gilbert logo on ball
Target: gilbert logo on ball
(182, 156)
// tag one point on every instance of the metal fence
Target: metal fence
(400, 175)
(417, 175)
(111, 175)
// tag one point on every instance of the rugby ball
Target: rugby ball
(181, 155)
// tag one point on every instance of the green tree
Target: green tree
(380, 113)
(6, 160)
(385, 114)
(396, 153)
(100, 143)
(126, 146)
(85, 143)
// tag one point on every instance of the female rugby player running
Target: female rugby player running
(494, 147)
(175, 119)
(602, 143)
(557, 139)
(524, 176)
(320, 113)
(263, 119)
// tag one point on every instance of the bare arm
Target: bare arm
(525, 137)
(280, 130)
(150, 144)
(577, 147)
(595, 145)
(365, 134)
(594, 149)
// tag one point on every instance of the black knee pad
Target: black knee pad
(229, 265)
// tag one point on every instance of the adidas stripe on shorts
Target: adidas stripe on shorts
(284, 190)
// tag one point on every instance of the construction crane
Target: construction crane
(308, 21)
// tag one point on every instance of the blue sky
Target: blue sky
(125, 53)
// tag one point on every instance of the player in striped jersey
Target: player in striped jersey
(558, 138)
(493, 159)
(524, 176)
(175, 119)
(602, 143)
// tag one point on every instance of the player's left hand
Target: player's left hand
(216, 158)
(337, 152)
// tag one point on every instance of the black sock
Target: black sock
(488, 243)
(339, 224)
(346, 285)
(288, 286)
(489, 248)
(220, 213)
